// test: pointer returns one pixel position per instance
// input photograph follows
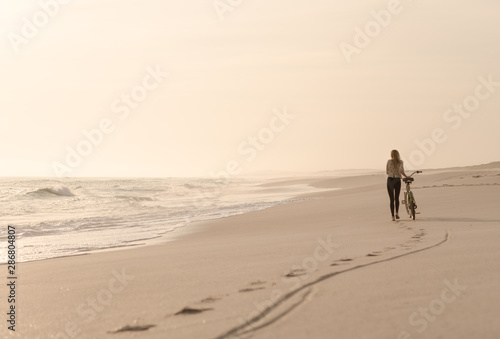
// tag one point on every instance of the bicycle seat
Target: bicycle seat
(407, 180)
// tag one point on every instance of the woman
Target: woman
(394, 171)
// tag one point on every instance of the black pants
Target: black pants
(394, 188)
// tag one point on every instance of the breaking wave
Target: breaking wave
(61, 191)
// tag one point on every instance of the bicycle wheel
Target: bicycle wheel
(406, 202)
(412, 206)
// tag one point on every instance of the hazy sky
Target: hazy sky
(252, 85)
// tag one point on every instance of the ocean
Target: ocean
(55, 218)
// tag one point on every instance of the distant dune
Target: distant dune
(491, 165)
(355, 172)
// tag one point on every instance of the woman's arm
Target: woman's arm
(402, 170)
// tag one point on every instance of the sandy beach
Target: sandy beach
(224, 169)
(330, 266)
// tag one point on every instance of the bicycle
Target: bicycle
(409, 200)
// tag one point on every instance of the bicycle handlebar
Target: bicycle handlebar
(416, 172)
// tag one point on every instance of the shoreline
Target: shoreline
(248, 190)
(233, 269)
(196, 225)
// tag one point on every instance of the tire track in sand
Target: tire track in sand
(247, 328)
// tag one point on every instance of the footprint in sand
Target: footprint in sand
(250, 289)
(296, 273)
(255, 286)
(419, 235)
(129, 328)
(190, 310)
(342, 261)
(210, 300)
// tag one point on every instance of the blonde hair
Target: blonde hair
(396, 158)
